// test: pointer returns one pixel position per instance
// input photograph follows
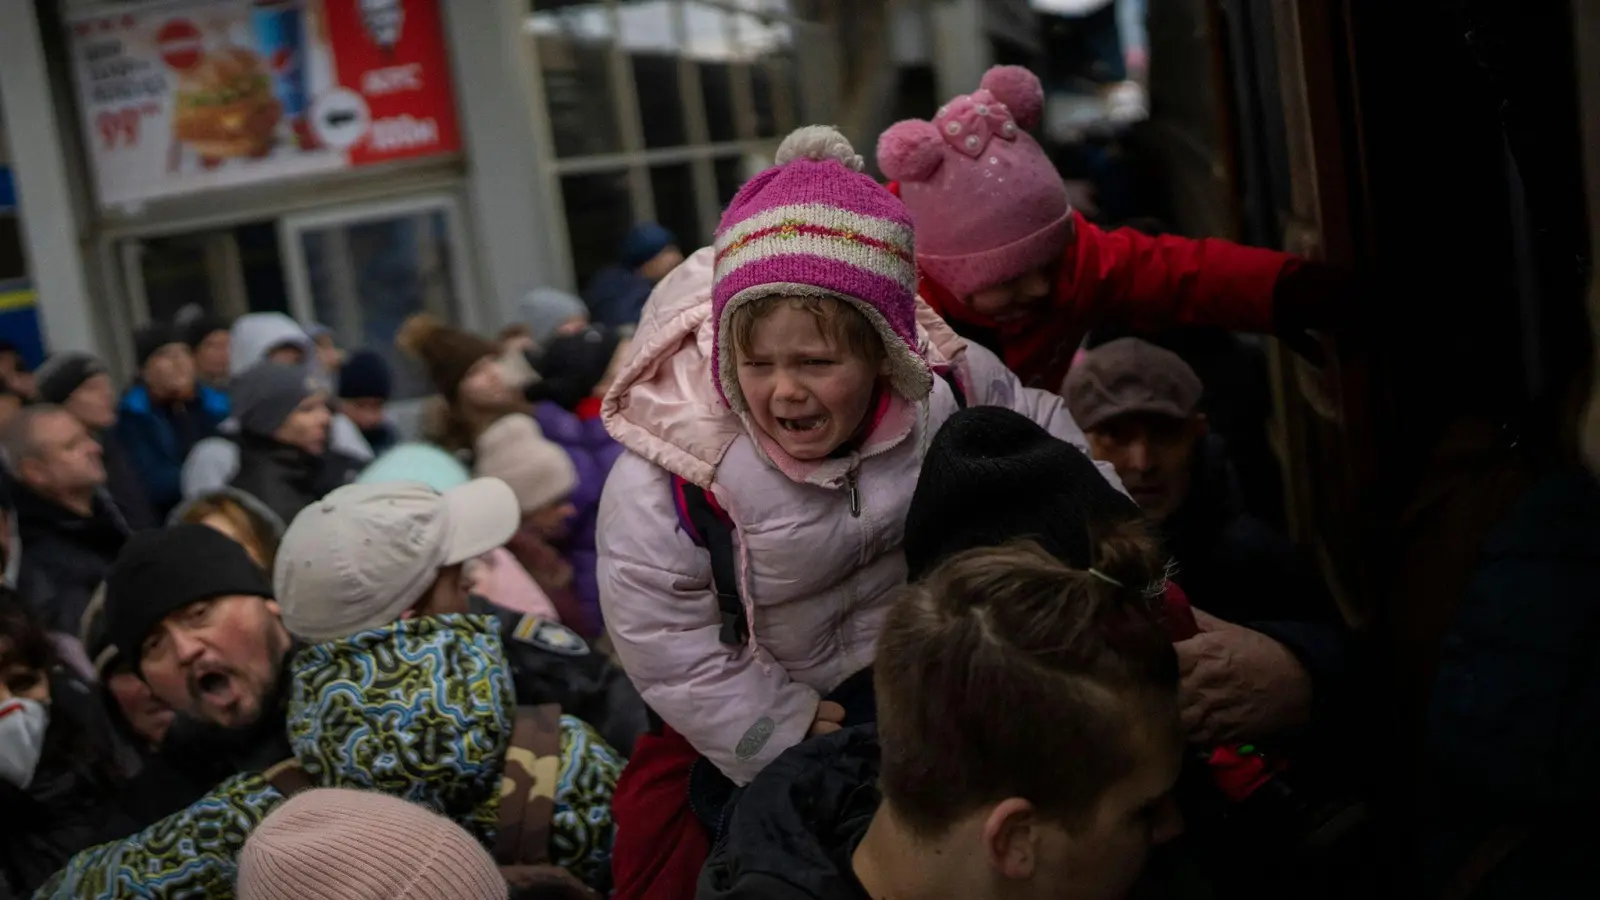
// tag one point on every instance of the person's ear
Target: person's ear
(32, 470)
(274, 608)
(1011, 839)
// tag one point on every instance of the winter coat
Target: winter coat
(617, 295)
(64, 555)
(379, 440)
(1240, 569)
(796, 827)
(73, 800)
(814, 576)
(353, 703)
(1130, 278)
(593, 453)
(124, 484)
(159, 439)
(1514, 727)
(213, 463)
(555, 665)
(192, 760)
(287, 479)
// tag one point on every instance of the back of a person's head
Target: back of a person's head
(336, 844)
(644, 241)
(416, 461)
(368, 555)
(239, 516)
(1006, 673)
(993, 475)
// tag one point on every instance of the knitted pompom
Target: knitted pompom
(415, 331)
(820, 143)
(910, 151)
(1019, 90)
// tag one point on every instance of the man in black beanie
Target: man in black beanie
(209, 339)
(80, 384)
(195, 615)
(165, 413)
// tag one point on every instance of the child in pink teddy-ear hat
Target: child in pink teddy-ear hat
(1005, 259)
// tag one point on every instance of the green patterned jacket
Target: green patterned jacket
(421, 709)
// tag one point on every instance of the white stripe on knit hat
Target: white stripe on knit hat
(822, 214)
(862, 256)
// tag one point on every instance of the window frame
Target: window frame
(699, 152)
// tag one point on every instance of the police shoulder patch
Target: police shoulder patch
(551, 636)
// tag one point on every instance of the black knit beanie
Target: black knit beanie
(162, 570)
(993, 475)
(365, 376)
(63, 373)
(152, 338)
(203, 326)
(572, 365)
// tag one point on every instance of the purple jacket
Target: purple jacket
(593, 452)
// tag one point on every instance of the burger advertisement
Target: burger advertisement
(192, 95)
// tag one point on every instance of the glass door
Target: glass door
(360, 271)
(226, 272)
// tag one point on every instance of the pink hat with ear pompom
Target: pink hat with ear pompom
(986, 202)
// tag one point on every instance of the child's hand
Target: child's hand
(830, 718)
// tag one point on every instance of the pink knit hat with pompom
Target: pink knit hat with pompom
(987, 204)
(813, 225)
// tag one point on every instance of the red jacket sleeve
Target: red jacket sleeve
(1129, 278)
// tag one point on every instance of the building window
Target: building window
(658, 110)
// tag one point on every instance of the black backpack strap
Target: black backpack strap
(948, 373)
(714, 532)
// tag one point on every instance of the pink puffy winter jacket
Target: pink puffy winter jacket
(815, 578)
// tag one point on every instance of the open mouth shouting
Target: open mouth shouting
(803, 425)
(215, 688)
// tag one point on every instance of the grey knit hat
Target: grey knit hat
(545, 310)
(265, 395)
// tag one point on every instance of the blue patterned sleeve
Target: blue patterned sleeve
(582, 827)
(192, 853)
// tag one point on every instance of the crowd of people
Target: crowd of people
(830, 561)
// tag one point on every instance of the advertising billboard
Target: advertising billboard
(193, 95)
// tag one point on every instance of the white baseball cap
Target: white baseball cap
(364, 554)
